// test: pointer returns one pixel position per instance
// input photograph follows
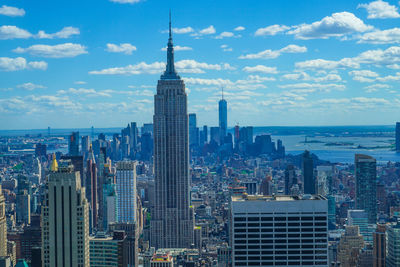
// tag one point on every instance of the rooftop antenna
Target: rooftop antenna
(170, 31)
(222, 93)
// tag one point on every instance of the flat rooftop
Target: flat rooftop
(246, 197)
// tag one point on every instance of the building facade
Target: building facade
(365, 171)
(65, 216)
(126, 191)
(172, 219)
(279, 230)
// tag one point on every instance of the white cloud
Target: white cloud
(393, 66)
(30, 86)
(225, 35)
(269, 54)
(365, 73)
(124, 48)
(182, 30)
(12, 11)
(380, 10)
(381, 37)
(239, 28)
(271, 30)
(54, 51)
(336, 25)
(126, 1)
(182, 66)
(87, 92)
(327, 64)
(13, 32)
(261, 68)
(65, 32)
(303, 76)
(375, 87)
(40, 65)
(319, 86)
(179, 48)
(389, 78)
(208, 30)
(226, 48)
(20, 63)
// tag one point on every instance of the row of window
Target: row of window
(283, 263)
(257, 230)
(302, 218)
(298, 235)
(294, 224)
(266, 247)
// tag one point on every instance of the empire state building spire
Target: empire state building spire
(170, 72)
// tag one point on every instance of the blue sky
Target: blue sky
(72, 64)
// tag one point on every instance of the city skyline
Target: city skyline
(337, 64)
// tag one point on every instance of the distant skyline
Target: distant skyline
(77, 64)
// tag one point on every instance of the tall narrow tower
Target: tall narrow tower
(3, 226)
(172, 219)
(222, 117)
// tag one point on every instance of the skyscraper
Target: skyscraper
(65, 216)
(126, 191)
(73, 144)
(290, 178)
(365, 171)
(3, 226)
(91, 189)
(397, 136)
(193, 130)
(308, 173)
(222, 117)
(172, 219)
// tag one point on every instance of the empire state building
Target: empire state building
(172, 218)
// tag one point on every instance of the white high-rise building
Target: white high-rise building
(279, 230)
(172, 219)
(126, 191)
(65, 217)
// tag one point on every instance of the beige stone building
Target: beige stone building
(65, 219)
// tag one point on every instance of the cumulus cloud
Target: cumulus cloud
(65, 32)
(179, 48)
(20, 63)
(30, 86)
(388, 36)
(269, 54)
(224, 35)
(208, 30)
(375, 87)
(54, 51)
(239, 28)
(182, 30)
(380, 10)
(303, 76)
(13, 32)
(336, 25)
(261, 68)
(327, 64)
(388, 57)
(87, 92)
(226, 48)
(183, 66)
(12, 11)
(319, 86)
(124, 48)
(271, 30)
